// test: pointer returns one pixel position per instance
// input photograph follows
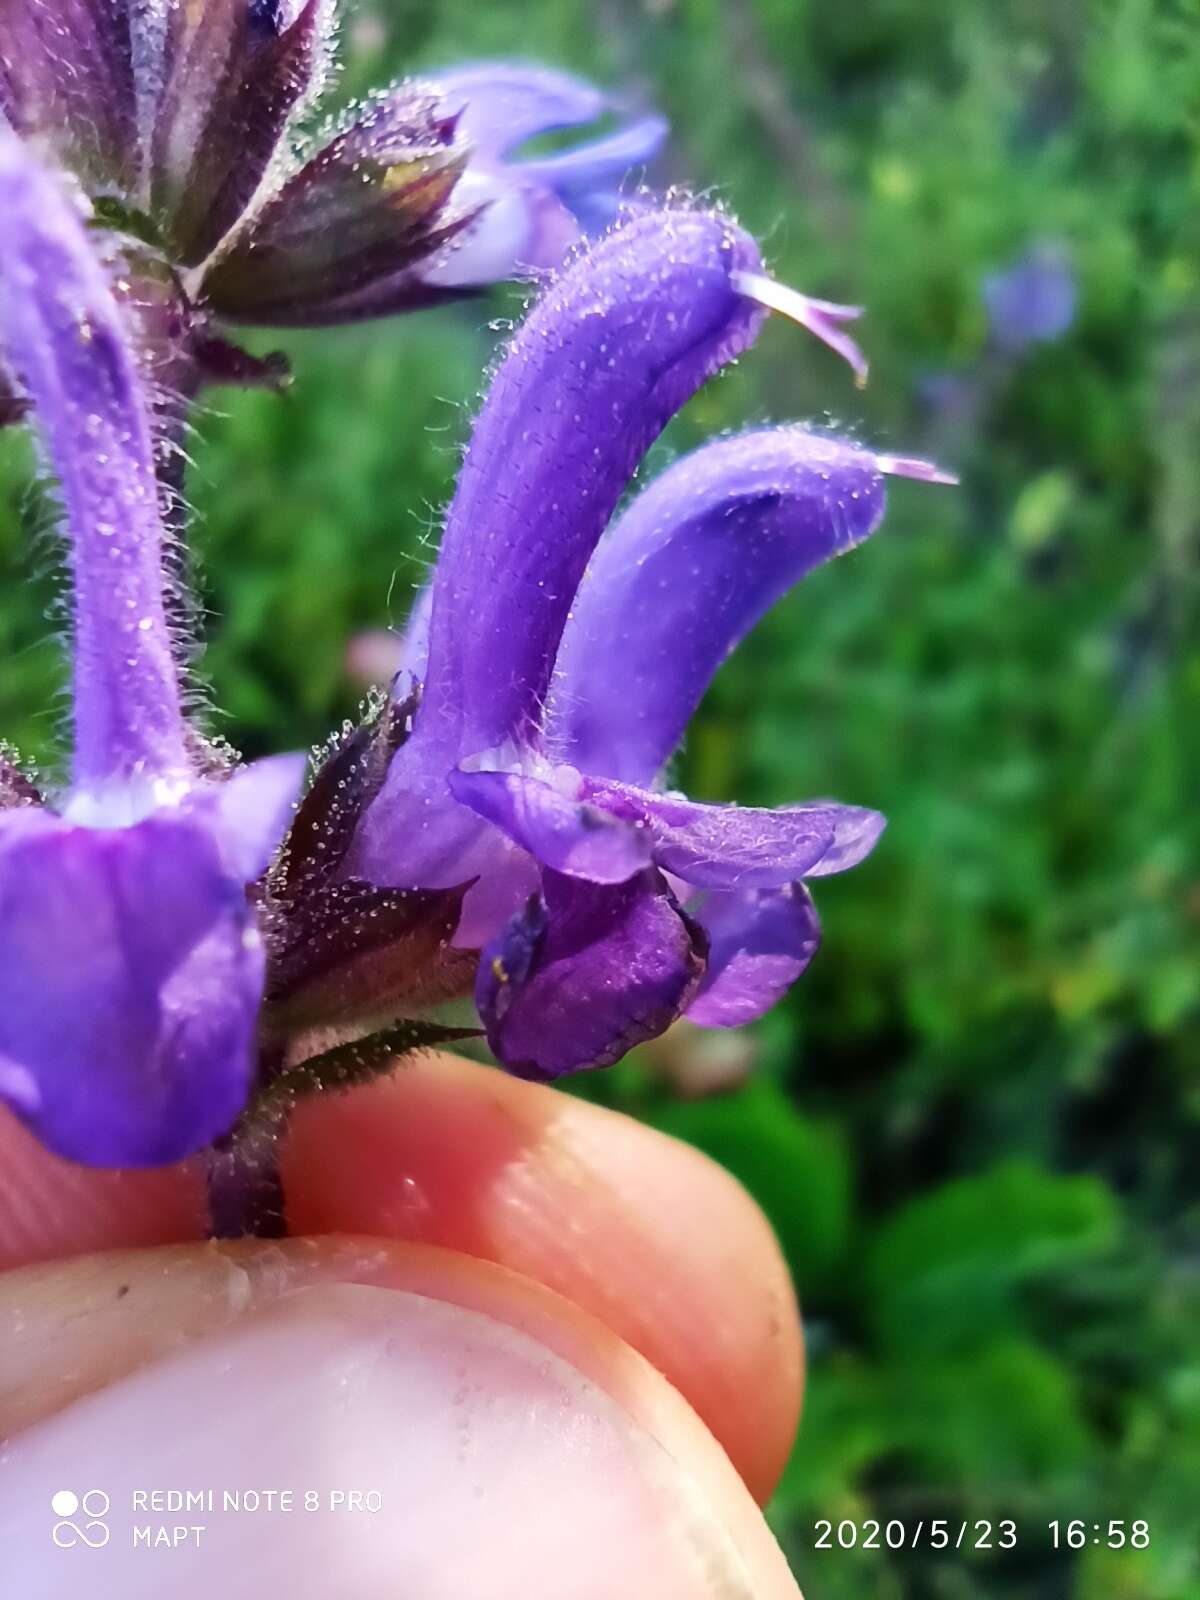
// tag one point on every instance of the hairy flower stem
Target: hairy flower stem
(245, 1189)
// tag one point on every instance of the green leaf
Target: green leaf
(1004, 1420)
(846, 1425)
(945, 1272)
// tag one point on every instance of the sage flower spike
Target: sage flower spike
(131, 965)
(564, 657)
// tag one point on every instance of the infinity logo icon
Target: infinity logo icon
(91, 1530)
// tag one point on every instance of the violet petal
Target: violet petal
(438, 843)
(510, 226)
(412, 653)
(741, 847)
(760, 943)
(697, 559)
(67, 79)
(606, 357)
(856, 833)
(532, 209)
(579, 840)
(608, 354)
(588, 179)
(532, 213)
(65, 338)
(586, 972)
(500, 104)
(130, 963)
(130, 976)
(253, 810)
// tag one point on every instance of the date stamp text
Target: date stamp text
(982, 1533)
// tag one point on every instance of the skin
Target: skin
(569, 1340)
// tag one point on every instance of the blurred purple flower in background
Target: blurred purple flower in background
(1033, 301)
(531, 210)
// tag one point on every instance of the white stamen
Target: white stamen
(913, 467)
(832, 308)
(820, 317)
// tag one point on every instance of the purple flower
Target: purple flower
(185, 126)
(131, 967)
(564, 657)
(531, 211)
(1031, 302)
(179, 953)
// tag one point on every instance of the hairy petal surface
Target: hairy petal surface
(585, 972)
(130, 965)
(67, 77)
(605, 831)
(605, 358)
(579, 840)
(65, 339)
(760, 941)
(741, 847)
(698, 558)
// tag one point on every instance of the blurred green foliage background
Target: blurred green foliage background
(976, 1123)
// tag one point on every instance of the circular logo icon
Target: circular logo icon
(80, 1518)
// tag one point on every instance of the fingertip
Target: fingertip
(51, 1208)
(641, 1230)
(512, 1444)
